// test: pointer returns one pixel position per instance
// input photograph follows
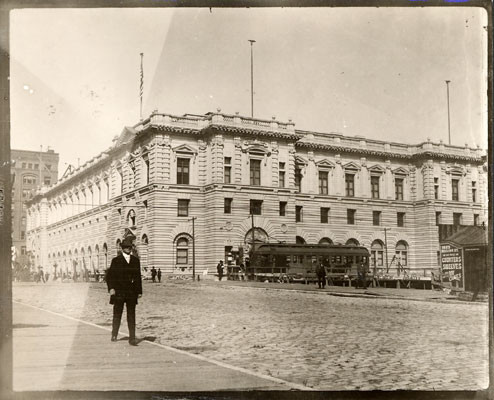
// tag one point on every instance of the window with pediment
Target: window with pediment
(351, 170)
(323, 168)
(184, 155)
(300, 163)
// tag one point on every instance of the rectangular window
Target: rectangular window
(457, 219)
(256, 207)
(298, 214)
(281, 179)
(474, 191)
(255, 172)
(282, 208)
(323, 182)
(47, 180)
(182, 256)
(400, 219)
(376, 218)
(454, 189)
(183, 207)
(228, 170)
(228, 205)
(36, 166)
(436, 188)
(399, 188)
(23, 235)
(350, 216)
(23, 250)
(350, 185)
(183, 171)
(375, 187)
(24, 165)
(48, 167)
(438, 218)
(475, 219)
(324, 215)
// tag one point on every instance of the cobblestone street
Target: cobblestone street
(310, 338)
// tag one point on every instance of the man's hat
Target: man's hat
(127, 242)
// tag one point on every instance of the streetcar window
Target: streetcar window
(350, 259)
(338, 259)
(344, 259)
(333, 259)
(364, 259)
(314, 259)
(301, 259)
(288, 259)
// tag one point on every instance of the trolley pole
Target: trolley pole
(386, 248)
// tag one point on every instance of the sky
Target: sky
(373, 72)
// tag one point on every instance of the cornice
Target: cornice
(388, 154)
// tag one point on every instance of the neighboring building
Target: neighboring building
(30, 170)
(300, 186)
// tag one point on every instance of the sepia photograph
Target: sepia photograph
(262, 200)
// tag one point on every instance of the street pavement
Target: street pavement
(332, 339)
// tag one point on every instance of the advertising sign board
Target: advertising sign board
(451, 264)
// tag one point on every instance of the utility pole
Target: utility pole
(386, 248)
(253, 237)
(449, 127)
(251, 78)
(193, 250)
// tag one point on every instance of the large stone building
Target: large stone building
(300, 186)
(30, 170)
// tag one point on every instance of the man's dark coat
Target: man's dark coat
(124, 278)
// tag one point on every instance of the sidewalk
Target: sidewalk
(53, 352)
(345, 291)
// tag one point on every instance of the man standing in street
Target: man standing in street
(124, 285)
(153, 274)
(159, 275)
(321, 276)
(219, 269)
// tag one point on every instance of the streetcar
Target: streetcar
(298, 262)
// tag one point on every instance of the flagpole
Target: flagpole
(141, 87)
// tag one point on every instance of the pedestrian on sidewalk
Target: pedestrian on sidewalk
(125, 287)
(321, 276)
(153, 274)
(159, 275)
(219, 269)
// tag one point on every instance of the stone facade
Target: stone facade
(301, 186)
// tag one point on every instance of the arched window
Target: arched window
(105, 255)
(352, 242)
(326, 241)
(143, 250)
(402, 253)
(377, 253)
(182, 252)
(299, 240)
(131, 219)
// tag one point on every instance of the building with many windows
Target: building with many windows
(30, 170)
(218, 176)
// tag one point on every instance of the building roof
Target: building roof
(469, 236)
